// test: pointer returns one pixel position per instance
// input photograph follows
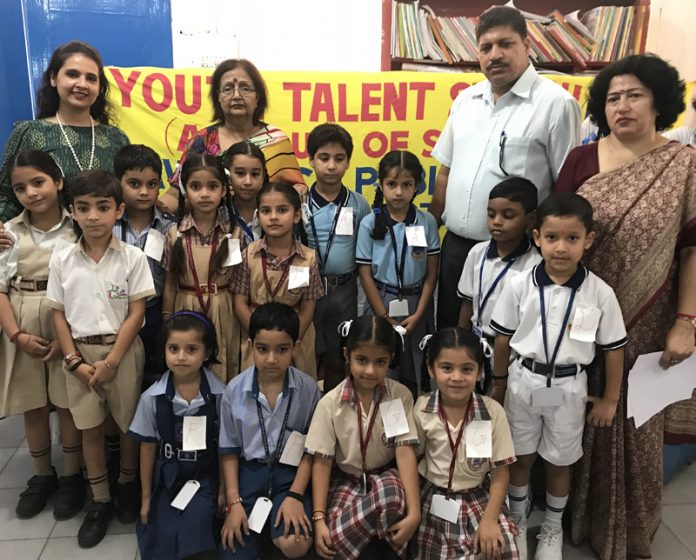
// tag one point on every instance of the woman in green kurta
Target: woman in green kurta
(73, 121)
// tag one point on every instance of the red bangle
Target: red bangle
(15, 336)
(679, 316)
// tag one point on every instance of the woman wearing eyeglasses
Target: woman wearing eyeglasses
(240, 99)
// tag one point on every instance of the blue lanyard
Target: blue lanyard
(332, 233)
(245, 227)
(483, 300)
(264, 437)
(550, 362)
(399, 268)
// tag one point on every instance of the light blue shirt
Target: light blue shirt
(380, 253)
(144, 424)
(341, 258)
(239, 418)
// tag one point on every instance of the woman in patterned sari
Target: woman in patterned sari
(240, 99)
(643, 190)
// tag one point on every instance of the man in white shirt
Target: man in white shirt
(514, 123)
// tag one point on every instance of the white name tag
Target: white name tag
(344, 226)
(585, 323)
(186, 494)
(547, 397)
(154, 245)
(234, 253)
(193, 433)
(393, 418)
(259, 514)
(398, 308)
(445, 508)
(415, 236)
(299, 277)
(478, 439)
(293, 450)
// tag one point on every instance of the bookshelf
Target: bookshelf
(556, 46)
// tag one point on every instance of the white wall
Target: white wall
(671, 34)
(340, 35)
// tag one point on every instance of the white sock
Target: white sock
(518, 500)
(554, 510)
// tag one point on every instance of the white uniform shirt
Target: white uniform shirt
(95, 296)
(518, 314)
(45, 240)
(541, 124)
(482, 267)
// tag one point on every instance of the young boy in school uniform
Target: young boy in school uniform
(332, 231)
(491, 264)
(264, 416)
(555, 316)
(98, 288)
(139, 170)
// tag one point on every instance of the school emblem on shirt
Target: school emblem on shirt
(117, 293)
(475, 463)
(418, 253)
(387, 442)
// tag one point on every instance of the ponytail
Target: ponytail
(381, 226)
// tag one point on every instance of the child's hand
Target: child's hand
(144, 509)
(236, 527)
(33, 345)
(102, 373)
(403, 530)
(322, 540)
(54, 352)
(5, 239)
(84, 373)
(498, 393)
(221, 501)
(489, 539)
(292, 512)
(411, 322)
(602, 413)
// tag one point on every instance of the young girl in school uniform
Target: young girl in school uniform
(246, 165)
(278, 267)
(461, 518)
(31, 376)
(187, 389)
(398, 257)
(364, 485)
(201, 253)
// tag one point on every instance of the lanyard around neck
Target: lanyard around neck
(550, 362)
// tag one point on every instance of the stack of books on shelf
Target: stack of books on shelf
(599, 35)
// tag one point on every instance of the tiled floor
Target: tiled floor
(46, 539)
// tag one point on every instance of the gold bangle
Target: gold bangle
(316, 518)
(107, 364)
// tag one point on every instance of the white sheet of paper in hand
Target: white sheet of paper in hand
(393, 418)
(415, 236)
(234, 253)
(651, 388)
(193, 433)
(478, 439)
(299, 277)
(344, 225)
(154, 245)
(259, 514)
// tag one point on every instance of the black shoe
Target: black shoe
(70, 496)
(96, 523)
(127, 502)
(34, 498)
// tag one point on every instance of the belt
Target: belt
(340, 279)
(97, 339)
(29, 285)
(168, 451)
(557, 371)
(414, 290)
(203, 289)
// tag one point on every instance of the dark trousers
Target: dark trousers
(454, 252)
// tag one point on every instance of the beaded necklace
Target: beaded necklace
(67, 141)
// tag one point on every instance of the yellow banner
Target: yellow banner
(385, 111)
